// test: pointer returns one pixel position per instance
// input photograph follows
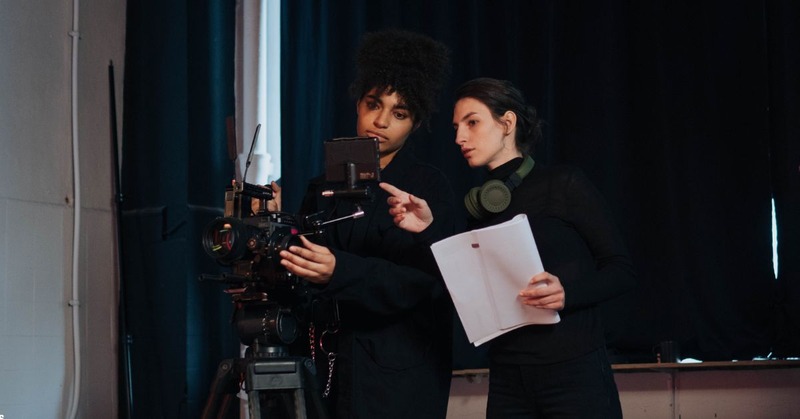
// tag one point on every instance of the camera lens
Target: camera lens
(266, 322)
(225, 239)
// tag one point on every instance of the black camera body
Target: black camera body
(251, 244)
(265, 294)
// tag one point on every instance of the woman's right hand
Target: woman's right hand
(310, 261)
(408, 211)
(544, 290)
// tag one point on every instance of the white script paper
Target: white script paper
(485, 270)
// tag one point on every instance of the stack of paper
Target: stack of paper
(485, 270)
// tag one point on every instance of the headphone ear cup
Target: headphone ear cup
(472, 204)
(494, 196)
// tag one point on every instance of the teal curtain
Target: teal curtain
(178, 93)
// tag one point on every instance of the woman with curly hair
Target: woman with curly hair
(391, 332)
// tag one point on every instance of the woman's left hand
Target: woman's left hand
(544, 290)
(311, 262)
(273, 205)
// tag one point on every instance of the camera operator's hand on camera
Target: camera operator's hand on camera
(273, 205)
(312, 262)
(409, 212)
(544, 291)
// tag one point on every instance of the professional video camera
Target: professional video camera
(263, 292)
(250, 242)
(270, 301)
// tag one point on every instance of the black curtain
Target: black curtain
(178, 93)
(783, 43)
(683, 113)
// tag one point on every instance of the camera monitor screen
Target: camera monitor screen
(362, 152)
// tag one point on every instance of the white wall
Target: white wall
(36, 206)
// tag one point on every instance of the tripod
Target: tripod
(277, 386)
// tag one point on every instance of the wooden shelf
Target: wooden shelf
(672, 366)
(712, 365)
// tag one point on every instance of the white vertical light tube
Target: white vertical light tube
(258, 88)
(271, 96)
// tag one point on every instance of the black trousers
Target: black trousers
(583, 387)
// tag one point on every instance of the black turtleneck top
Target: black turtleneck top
(580, 244)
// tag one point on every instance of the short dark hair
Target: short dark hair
(501, 96)
(413, 65)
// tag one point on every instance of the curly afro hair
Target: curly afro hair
(413, 65)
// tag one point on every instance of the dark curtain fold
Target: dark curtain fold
(783, 43)
(680, 112)
(178, 92)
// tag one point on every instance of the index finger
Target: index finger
(391, 189)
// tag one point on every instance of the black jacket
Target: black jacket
(394, 345)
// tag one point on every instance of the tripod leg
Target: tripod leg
(300, 403)
(254, 403)
(224, 386)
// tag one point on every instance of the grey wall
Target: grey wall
(36, 206)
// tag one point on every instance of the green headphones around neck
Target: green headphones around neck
(495, 195)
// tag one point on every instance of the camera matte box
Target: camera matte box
(363, 152)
